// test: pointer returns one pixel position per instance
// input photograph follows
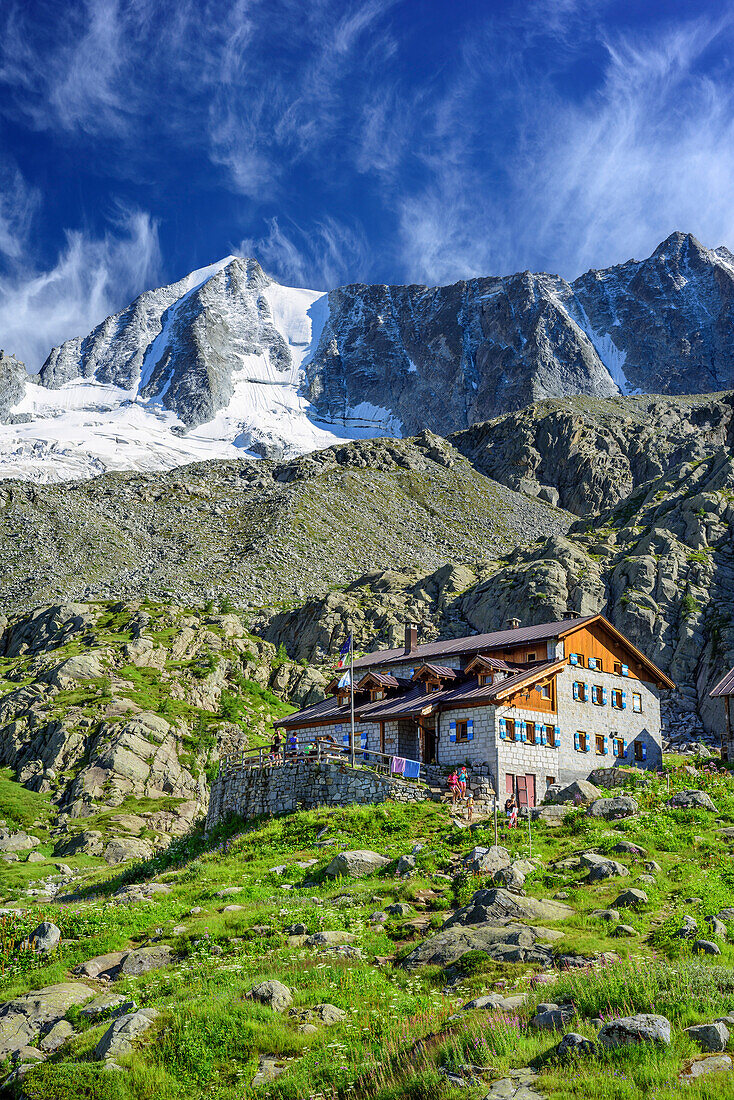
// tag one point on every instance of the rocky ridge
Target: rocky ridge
(277, 371)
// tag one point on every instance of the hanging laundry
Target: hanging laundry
(398, 765)
(412, 769)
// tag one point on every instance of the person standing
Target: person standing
(454, 787)
(463, 778)
(276, 745)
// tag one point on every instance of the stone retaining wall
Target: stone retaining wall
(282, 788)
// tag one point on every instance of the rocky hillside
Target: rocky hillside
(259, 533)
(654, 481)
(391, 951)
(226, 361)
(117, 714)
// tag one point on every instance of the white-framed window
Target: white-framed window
(462, 730)
(545, 691)
(617, 700)
(618, 746)
(579, 691)
(599, 744)
(636, 702)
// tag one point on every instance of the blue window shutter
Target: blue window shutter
(503, 728)
(345, 739)
(523, 730)
(363, 738)
(574, 659)
(586, 692)
(625, 670)
(338, 728)
(557, 735)
(543, 736)
(624, 699)
(604, 696)
(575, 690)
(576, 742)
(470, 730)
(606, 746)
(452, 731)
(644, 751)
(592, 662)
(624, 748)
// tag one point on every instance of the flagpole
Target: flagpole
(351, 695)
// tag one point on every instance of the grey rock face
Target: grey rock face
(17, 842)
(486, 861)
(355, 864)
(706, 947)
(497, 904)
(146, 958)
(613, 808)
(505, 943)
(631, 899)
(273, 994)
(45, 938)
(574, 1044)
(578, 792)
(122, 1034)
(686, 800)
(643, 1028)
(23, 1018)
(13, 378)
(711, 1038)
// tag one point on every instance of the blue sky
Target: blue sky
(358, 140)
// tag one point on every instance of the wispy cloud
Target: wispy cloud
(322, 257)
(576, 184)
(92, 277)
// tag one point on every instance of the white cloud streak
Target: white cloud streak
(326, 256)
(92, 277)
(580, 184)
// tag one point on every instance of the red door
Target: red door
(530, 789)
(522, 790)
(509, 783)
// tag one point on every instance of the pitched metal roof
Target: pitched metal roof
(725, 686)
(497, 639)
(384, 679)
(442, 671)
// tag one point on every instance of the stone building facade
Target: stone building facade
(527, 706)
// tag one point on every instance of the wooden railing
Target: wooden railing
(315, 750)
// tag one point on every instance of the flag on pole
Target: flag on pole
(344, 653)
(345, 680)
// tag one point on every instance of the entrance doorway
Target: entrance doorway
(428, 741)
(522, 787)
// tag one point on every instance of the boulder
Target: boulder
(328, 1014)
(573, 1044)
(625, 847)
(711, 1038)
(273, 994)
(579, 792)
(716, 927)
(87, 843)
(101, 965)
(45, 938)
(611, 915)
(24, 1017)
(406, 864)
(17, 842)
(355, 864)
(399, 909)
(122, 1033)
(601, 867)
(706, 947)
(331, 936)
(107, 1004)
(120, 849)
(612, 809)
(691, 800)
(687, 930)
(505, 943)
(623, 930)
(511, 877)
(146, 958)
(701, 1067)
(642, 1028)
(487, 861)
(551, 815)
(497, 904)
(54, 1039)
(630, 899)
(553, 1019)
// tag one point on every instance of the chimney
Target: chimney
(512, 624)
(411, 637)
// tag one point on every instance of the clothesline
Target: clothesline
(409, 769)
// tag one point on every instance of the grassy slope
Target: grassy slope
(209, 1038)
